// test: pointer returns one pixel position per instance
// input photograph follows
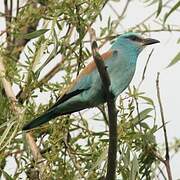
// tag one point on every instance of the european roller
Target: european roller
(87, 89)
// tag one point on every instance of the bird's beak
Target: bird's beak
(149, 41)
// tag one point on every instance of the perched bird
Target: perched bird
(87, 90)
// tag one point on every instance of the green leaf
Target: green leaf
(42, 2)
(134, 168)
(50, 57)
(148, 100)
(178, 41)
(35, 34)
(159, 8)
(40, 48)
(175, 60)
(6, 175)
(171, 11)
(151, 2)
(145, 125)
(143, 115)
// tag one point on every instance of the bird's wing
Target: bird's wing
(83, 82)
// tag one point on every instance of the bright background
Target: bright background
(161, 57)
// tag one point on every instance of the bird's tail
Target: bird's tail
(40, 120)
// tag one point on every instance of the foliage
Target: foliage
(44, 48)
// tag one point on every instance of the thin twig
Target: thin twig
(166, 162)
(112, 112)
(8, 20)
(111, 37)
(159, 30)
(172, 156)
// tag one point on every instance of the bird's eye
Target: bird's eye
(134, 38)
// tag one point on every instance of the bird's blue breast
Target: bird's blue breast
(121, 68)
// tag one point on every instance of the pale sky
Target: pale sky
(162, 55)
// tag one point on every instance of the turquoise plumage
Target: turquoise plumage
(87, 90)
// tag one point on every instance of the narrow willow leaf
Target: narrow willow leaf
(151, 3)
(171, 11)
(11, 137)
(6, 175)
(50, 57)
(145, 125)
(39, 52)
(5, 133)
(134, 168)
(148, 100)
(143, 115)
(35, 34)
(159, 8)
(175, 60)
(178, 41)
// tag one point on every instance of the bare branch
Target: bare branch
(166, 162)
(112, 112)
(8, 20)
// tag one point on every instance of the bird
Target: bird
(87, 89)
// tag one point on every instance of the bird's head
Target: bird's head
(133, 41)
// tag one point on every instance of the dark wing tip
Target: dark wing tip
(34, 123)
(27, 127)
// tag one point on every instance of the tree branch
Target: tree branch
(112, 112)
(166, 162)
(8, 14)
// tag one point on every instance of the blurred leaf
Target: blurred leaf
(40, 48)
(50, 57)
(126, 157)
(150, 2)
(42, 2)
(175, 60)
(5, 134)
(35, 34)
(178, 41)
(144, 125)
(103, 31)
(134, 168)
(6, 175)
(171, 11)
(148, 100)
(143, 115)
(159, 8)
